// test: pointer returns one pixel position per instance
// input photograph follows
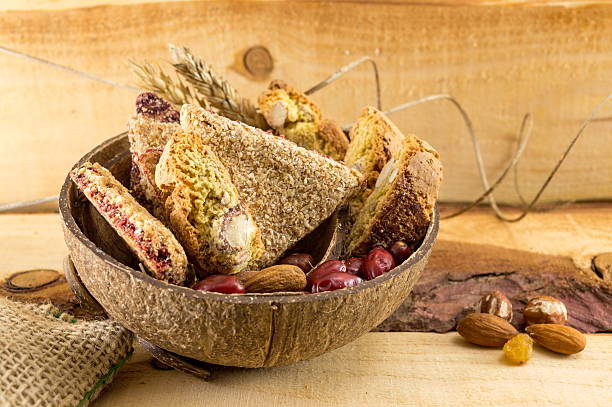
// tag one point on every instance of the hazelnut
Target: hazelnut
(545, 310)
(496, 303)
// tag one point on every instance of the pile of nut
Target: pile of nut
(295, 273)
(545, 317)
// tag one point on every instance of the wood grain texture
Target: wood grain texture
(380, 368)
(67, 4)
(390, 369)
(501, 62)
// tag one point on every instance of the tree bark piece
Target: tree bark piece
(458, 274)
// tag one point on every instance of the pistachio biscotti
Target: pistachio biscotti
(204, 208)
(290, 190)
(293, 115)
(374, 140)
(155, 246)
(401, 204)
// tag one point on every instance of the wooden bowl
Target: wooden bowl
(249, 330)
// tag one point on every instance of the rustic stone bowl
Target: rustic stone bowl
(234, 330)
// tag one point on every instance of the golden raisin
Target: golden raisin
(518, 349)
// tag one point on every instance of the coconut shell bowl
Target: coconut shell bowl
(245, 330)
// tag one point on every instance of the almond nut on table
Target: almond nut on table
(486, 330)
(558, 338)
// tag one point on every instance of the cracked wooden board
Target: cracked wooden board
(458, 274)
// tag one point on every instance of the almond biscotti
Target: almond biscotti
(148, 132)
(290, 190)
(401, 204)
(204, 208)
(293, 115)
(155, 246)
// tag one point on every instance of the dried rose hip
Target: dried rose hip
(400, 251)
(354, 266)
(378, 262)
(302, 260)
(220, 284)
(334, 281)
(330, 266)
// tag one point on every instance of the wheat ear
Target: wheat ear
(218, 91)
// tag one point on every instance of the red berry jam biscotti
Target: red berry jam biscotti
(153, 244)
(148, 131)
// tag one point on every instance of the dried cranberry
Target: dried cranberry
(400, 251)
(330, 266)
(220, 284)
(334, 281)
(378, 262)
(354, 266)
(302, 260)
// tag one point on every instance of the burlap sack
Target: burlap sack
(52, 359)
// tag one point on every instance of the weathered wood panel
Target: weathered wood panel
(500, 61)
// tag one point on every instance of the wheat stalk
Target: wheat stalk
(218, 91)
(154, 79)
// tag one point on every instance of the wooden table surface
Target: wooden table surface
(380, 368)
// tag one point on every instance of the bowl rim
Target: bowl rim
(276, 298)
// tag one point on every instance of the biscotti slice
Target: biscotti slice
(155, 246)
(290, 190)
(402, 201)
(293, 115)
(148, 132)
(204, 208)
(374, 140)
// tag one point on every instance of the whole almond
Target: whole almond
(279, 278)
(496, 303)
(486, 329)
(545, 310)
(558, 338)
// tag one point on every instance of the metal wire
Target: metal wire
(67, 69)
(343, 71)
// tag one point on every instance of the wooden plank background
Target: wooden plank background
(501, 61)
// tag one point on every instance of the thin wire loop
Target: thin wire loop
(583, 126)
(67, 69)
(343, 71)
(524, 136)
(25, 204)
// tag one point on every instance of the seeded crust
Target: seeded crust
(404, 212)
(290, 190)
(148, 132)
(204, 209)
(293, 115)
(153, 244)
(384, 141)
